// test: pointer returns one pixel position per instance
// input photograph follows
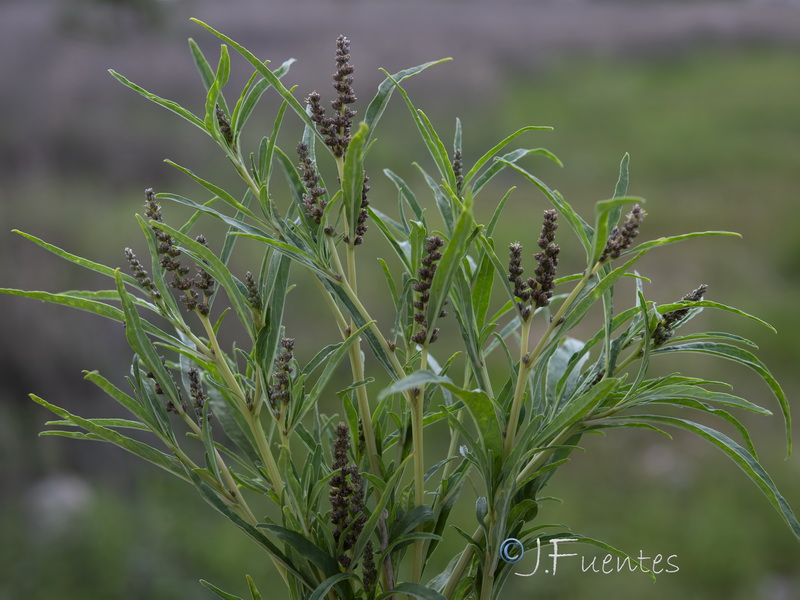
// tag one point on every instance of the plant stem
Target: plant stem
(519, 390)
(462, 564)
(417, 414)
(253, 422)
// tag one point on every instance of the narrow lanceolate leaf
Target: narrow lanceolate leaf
(353, 177)
(497, 148)
(477, 402)
(73, 258)
(501, 162)
(218, 191)
(142, 450)
(378, 104)
(575, 410)
(219, 592)
(168, 104)
(215, 91)
(665, 308)
(739, 455)
(620, 190)
(579, 226)
(414, 590)
(449, 265)
(748, 359)
(662, 241)
(269, 75)
(251, 96)
(304, 547)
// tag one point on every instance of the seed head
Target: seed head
(313, 200)
(253, 295)
(621, 239)
(346, 495)
(279, 393)
(141, 275)
(457, 168)
(547, 259)
(671, 320)
(423, 286)
(224, 126)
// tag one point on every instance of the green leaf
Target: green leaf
(500, 163)
(413, 589)
(215, 91)
(271, 77)
(665, 308)
(253, 590)
(244, 108)
(449, 265)
(581, 229)
(140, 449)
(662, 241)
(216, 190)
(304, 547)
(407, 195)
(353, 178)
(378, 104)
(497, 148)
(323, 588)
(576, 410)
(218, 591)
(168, 104)
(747, 359)
(477, 402)
(88, 264)
(740, 456)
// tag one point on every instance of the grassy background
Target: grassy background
(713, 131)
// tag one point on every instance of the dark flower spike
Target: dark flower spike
(669, 321)
(515, 272)
(620, 240)
(457, 171)
(253, 295)
(141, 275)
(346, 495)
(196, 391)
(204, 282)
(361, 224)
(542, 286)
(224, 125)
(313, 201)
(279, 392)
(369, 573)
(423, 286)
(336, 130)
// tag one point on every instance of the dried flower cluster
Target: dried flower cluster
(423, 287)
(669, 321)
(224, 125)
(458, 171)
(313, 199)
(196, 392)
(361, 224)
(279, 391)
(346, 495)
(621, 239)
(536, 291)
(141, 275)
(253, 295)
(170, 262)
(336, 129)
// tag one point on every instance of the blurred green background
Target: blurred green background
(704, 96)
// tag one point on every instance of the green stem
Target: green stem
(253, 422)
(519, 390)
(462, 564)
(417, 415)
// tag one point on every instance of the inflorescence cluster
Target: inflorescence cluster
(346, 495)
(536, 291)
(423, 287)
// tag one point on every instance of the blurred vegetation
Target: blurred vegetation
(713, 136)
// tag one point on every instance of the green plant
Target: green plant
(256, 429)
